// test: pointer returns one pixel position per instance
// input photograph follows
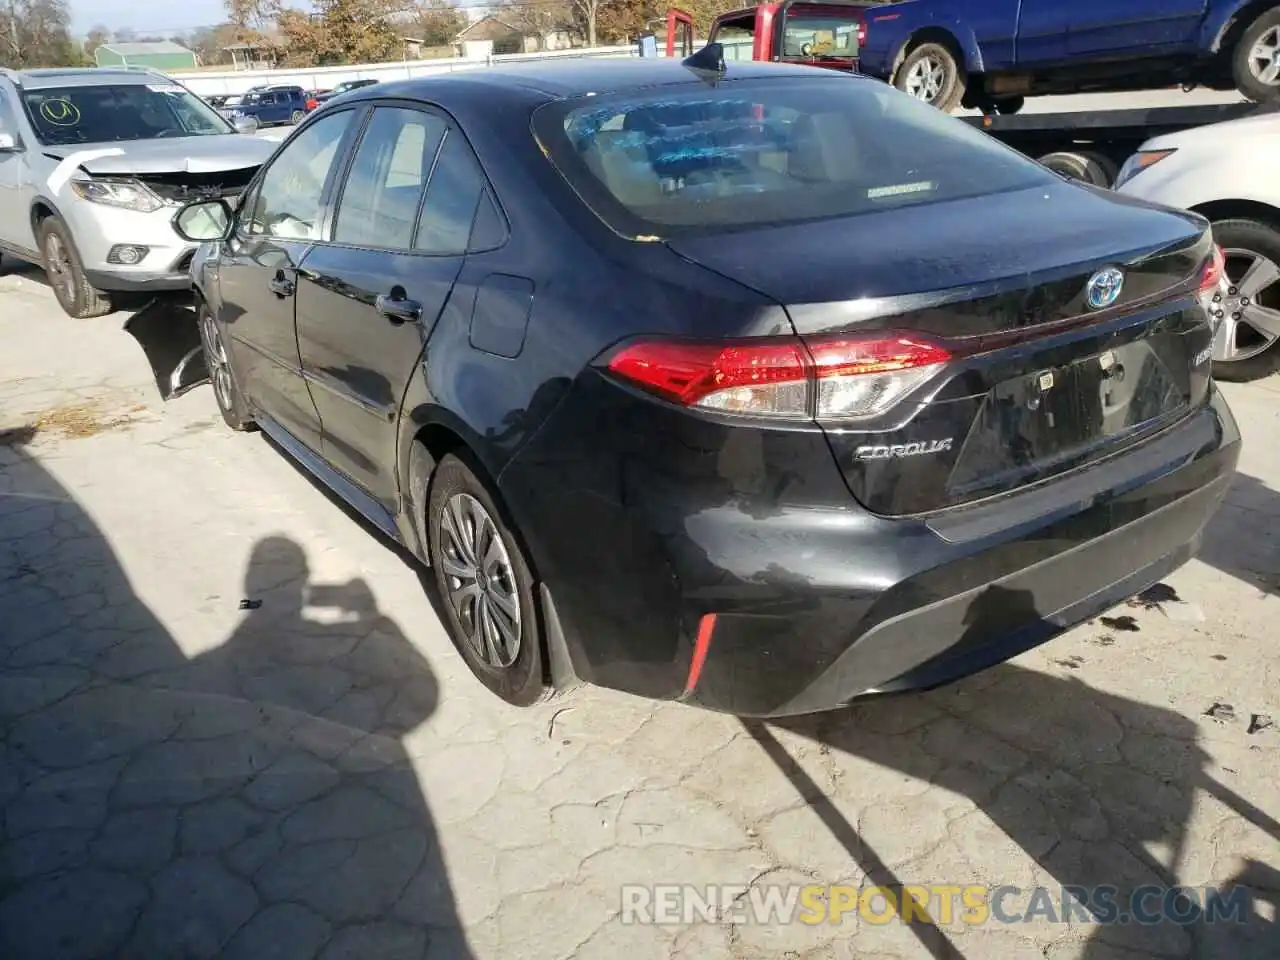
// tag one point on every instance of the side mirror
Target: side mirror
(203, 221)
(8, 143)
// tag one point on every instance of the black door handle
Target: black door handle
(399, 310)
(281, 285)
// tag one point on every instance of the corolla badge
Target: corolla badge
(897, 450)
(1103, 288)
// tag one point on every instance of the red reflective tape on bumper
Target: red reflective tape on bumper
(701, 643)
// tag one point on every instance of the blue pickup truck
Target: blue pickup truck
(991, 54)
(270, 105)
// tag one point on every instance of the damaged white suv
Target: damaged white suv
(94, 163)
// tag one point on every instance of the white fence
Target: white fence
(323, 78)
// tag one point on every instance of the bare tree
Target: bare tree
(589, 10)
(252, 18)
(36, 33)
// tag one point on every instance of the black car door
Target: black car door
(277, 222)
(369, 299)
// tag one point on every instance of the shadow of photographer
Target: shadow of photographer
(253, 800)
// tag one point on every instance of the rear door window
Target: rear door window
(457, 184)
(380, 200)
(698, 159)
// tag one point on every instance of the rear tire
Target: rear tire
(1255, 61)
(485, 584)
(1248, 242)
(297, 116)
(1087, 167)
(931, 73)
(77, 297)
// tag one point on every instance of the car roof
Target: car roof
(563, 79)
(43, 78)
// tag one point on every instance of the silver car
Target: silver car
(94, 164)
(1227, 173)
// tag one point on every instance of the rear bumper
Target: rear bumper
(978, 628)
(816, 601)
(1018, 579)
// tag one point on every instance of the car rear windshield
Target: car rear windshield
(128, 111)
(702, 158)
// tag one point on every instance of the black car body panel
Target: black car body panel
(669, 517)
(825, 573)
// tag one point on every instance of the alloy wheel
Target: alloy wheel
(216, 360)
(480, 581)
(1251, 308)
(58, 264)
(1264, 58)
(925, 79)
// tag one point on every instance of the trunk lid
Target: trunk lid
(1040, 381)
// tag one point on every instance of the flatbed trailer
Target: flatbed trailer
(1092, 145)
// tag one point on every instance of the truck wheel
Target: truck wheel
(77, 297)
(1245, 347)
(1085, 166)
(930, 73)
(1255, 62)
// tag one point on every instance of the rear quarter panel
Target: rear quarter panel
(591, 289)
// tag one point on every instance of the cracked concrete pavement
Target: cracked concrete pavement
(319, 776)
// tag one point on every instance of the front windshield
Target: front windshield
(116, 112)
(820, 37)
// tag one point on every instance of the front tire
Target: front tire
(77, 297)
(226, 391)
(1246, 346)
(930, 73)
(485, 584)
(1255, 62)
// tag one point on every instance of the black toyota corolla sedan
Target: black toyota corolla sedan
(762, 388)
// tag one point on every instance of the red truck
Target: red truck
(823, 33)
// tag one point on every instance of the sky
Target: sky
(160, 19)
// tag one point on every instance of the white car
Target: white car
(1230, 173)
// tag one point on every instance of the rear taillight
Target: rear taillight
(862, 35)
(838, 378)
(312, 104)
(1215, 268)
(1213, 286)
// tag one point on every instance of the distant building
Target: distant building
(158, 55)
(489, 35)
(253, 56)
